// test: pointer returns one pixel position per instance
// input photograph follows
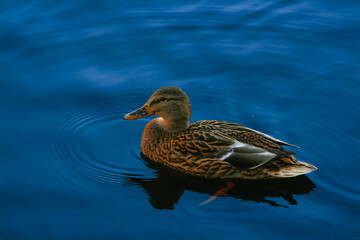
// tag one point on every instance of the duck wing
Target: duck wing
(203, 146)
(244, 134)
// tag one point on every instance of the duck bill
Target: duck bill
(140, 113)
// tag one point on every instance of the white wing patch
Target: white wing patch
(250, 153)
(227, 155)
(237, 144)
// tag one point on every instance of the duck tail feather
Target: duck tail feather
(297, 169)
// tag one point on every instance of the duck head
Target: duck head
(172, 106)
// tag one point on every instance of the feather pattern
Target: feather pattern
(215, 149)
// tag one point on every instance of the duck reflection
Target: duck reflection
(167, 188)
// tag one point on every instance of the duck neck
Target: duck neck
(173, 125)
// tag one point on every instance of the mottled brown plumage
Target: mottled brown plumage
(211, 149)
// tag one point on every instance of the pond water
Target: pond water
(70, 70)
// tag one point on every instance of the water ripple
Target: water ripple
(87, 145)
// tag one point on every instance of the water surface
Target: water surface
(71, 166)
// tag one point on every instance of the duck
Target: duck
(210, 148)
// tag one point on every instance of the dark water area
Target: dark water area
(70, 70)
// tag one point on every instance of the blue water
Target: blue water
(69, 70)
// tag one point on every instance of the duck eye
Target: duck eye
(163, 99)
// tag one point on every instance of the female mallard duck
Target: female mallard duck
(211, 149)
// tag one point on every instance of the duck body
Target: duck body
(210, 149)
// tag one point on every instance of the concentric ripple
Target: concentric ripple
(88, 146)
